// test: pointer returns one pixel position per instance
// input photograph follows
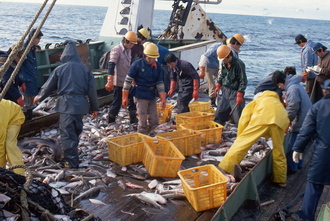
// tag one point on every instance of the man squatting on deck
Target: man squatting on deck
(74, 84)
(148, 76)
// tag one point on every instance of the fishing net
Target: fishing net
(41, 200)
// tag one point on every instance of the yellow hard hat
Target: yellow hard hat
(131, 37)
(144, 32)
(145, 44)
(239, 38)
(223, 51)
(228, 41)
(151, 50)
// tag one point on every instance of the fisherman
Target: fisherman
(11, 120)
(322, 69)
(29, 74)
(161, 59)
(13, 92)
(189, 81)
(297, 106)
(232, 83)
(316, 127)
(119, 63)
(263, 117)
(148, 76)
(74, 84)
(309, 59)
(267, 84)
(137, 50)
(209, 64)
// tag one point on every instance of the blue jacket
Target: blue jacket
(316, 127)
(13, 92)
(308, 57)
(146, 79)
(267, 85)
(74, 83)
(212, 56)
(29, 72)
(162, 52)
(298, 102)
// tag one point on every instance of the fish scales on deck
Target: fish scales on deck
(102, 185)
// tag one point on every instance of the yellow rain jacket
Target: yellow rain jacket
(265, 117)
(11, 119)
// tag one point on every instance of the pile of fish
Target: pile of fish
(97, 174)
(35, 201)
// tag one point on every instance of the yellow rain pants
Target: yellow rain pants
(11, 120)
(266, 117)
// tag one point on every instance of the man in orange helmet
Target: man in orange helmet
(209, 64)
(119, 63)
(232, 82)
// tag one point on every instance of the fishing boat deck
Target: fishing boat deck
(118, 204)
(282, 197)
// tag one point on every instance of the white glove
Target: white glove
(296, 156)
(317, 69)
(310, 69)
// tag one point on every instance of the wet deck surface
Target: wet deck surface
(249, 211)
(118, 204)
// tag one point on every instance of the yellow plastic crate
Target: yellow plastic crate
(193, 117)
(211, 131)
(164, 115)
(199, 106)
(161, 158)
(204, 187)
(187, 141)
(126, 149)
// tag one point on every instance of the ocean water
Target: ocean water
(269, 43)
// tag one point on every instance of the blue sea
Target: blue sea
(269, 44)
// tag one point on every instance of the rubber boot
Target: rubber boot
(213, 101)
(132, 117)
(111, 118)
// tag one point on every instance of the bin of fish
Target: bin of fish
(199, 106)
(161, 158)
(192, 117)
(29, 199)
(210, 131)
(204, 187)
(187, 141)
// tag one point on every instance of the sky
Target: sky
(276, 8)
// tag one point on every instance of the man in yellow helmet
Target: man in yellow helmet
(11, 120)
(232, 82)
(209, 64)
(148, 77)
(118, 67)
(137, 50)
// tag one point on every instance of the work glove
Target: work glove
(22, 88)
(317, 69)
(296, 156)
(162, 96)
(20, 102)
(217, 89)
(195, 91)
(124, 98)
(239, 98)
(109, 86)
(94, 113)
(202, 72)
(172, 89)
(35, 100)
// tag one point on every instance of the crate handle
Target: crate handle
(195, 170)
